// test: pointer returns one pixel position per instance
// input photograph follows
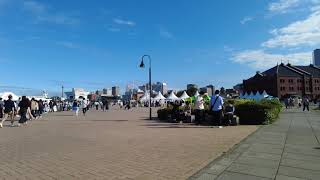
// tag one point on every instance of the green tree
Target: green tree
(192, 91)
(179, 93)
(222, 91)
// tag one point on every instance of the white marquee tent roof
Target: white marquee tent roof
(159, 97)
(197, 94)
(145, 97)
(172, 97)
(256, 96)
(5, 95)
(184, 95)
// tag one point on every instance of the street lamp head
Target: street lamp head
(142, 64)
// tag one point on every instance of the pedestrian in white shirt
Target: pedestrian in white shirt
(84, 106)
(199, 109)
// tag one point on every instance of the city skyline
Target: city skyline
(47, 44)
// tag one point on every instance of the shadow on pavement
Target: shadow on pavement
(111, 120)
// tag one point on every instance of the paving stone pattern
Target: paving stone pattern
(113, 145)
(286, 150)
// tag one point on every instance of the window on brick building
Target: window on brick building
(282, 88)
(307, 88)
(291, 88)
(290, 80)
(282, 80)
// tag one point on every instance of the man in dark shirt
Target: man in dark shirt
(9, 109)
(1, 107)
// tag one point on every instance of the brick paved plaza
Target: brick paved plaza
(112, 145)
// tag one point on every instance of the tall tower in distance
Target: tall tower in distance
(316, 57)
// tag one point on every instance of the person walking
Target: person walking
(51, 106)
(229, 111)
(1, 108)
(286, 102)
(105, 105)
(84, 106)
(23, 109)
(9, 110)
(97, 105)
(199, 109)
(217, 107)
(75, 107)
(305, 103)
(41, 108)
(34, 107)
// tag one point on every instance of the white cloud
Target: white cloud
(282, 6)
(57, 19)
(300, 33)
(259, 59)
(165, 33)
(42, 14)
(246, 19)
(297, 38)
(34, 7)
(124, 22)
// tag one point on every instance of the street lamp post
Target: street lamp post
(150, 85)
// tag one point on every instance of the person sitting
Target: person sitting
(187, 109)
(176, 113)
(229, 112)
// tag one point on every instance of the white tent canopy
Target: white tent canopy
(172, 97)
(145, 98)
(196, 94)
(159, 97)
(184, 95)
(258, 96)
(5, 95)
(265, 94)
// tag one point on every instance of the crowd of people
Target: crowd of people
(222, 112)
(24, 108)
(298, 102)
(31, 109)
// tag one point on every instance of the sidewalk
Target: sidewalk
(286, 150)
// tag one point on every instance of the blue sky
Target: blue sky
(95, 44)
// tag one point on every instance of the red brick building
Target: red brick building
(286, 80)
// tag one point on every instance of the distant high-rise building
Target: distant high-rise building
(99, 92)
(208, 89)
(156, 87)
(116, 91)
(316, 57)
(160, 87)
(164, 88)
(107, 91)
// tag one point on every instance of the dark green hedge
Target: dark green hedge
(250, 112)
(163, 114)
(257, 112)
